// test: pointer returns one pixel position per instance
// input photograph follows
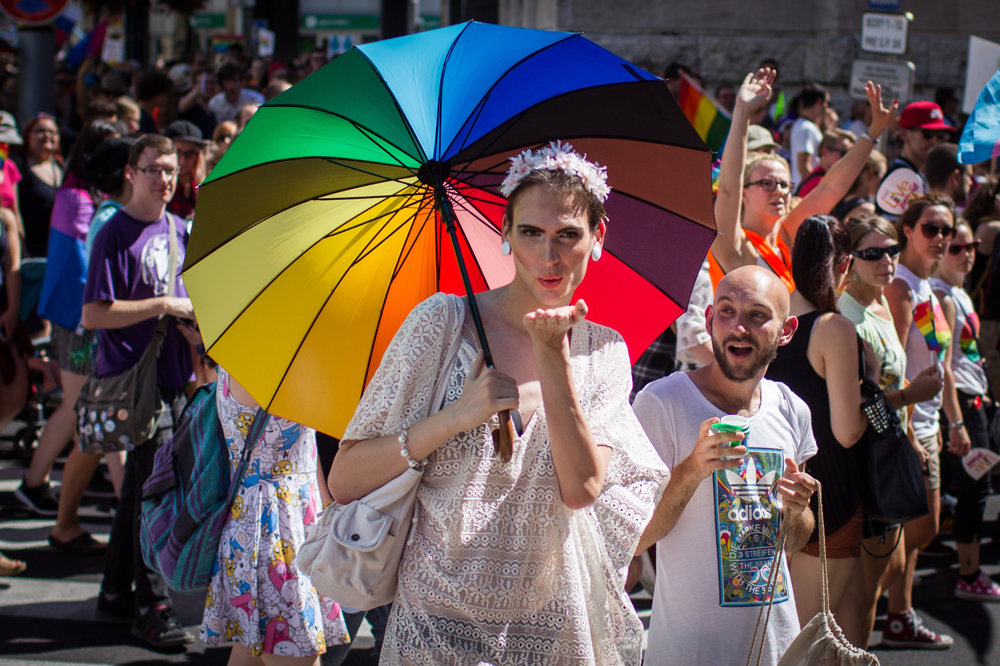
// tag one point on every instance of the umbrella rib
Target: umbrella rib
(304, 252)
(481, 106)
(440, 96)
(321, 197)
(364, 129)
(326, 301)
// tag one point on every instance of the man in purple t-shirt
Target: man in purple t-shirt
(125, 296)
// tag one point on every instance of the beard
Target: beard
(758, 360)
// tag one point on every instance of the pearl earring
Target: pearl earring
(505, 248)
(595, 253)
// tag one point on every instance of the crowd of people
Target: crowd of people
(828, 254)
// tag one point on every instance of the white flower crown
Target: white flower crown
(557, 156)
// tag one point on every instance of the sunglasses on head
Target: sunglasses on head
(771, 184)
(957, 248)
(876, 253)
(931, 230)
(942, 135)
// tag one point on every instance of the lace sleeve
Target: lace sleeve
(400, 392)
(636, 474)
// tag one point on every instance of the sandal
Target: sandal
(9, 567)
(81, 544)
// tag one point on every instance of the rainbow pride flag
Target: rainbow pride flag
(931, 323)
(709, 119)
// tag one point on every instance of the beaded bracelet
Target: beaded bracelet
(403, 451)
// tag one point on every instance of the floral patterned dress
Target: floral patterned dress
(258, 597)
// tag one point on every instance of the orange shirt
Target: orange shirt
(779, 261)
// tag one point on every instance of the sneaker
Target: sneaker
(981, 589)
(907, 630)
(159, 627)
(41, 499)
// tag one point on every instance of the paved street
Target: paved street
(48, 614)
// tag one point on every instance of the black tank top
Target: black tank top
(833, 465)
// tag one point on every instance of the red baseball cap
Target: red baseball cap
(923, 115)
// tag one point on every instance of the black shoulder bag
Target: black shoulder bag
(894, 489)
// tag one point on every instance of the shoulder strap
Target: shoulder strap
(778, 260)
(174, 254)
(254, 434)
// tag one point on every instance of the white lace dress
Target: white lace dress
(498, 570)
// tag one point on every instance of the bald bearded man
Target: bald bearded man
(717, 524)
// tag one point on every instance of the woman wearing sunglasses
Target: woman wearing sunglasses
(925, 229)
(820, 366)
(969, 380)
(752, 210)
(875, 250)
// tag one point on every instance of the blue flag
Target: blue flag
(981, 139)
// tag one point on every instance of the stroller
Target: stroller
(29, 392)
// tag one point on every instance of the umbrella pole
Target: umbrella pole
(503, 439)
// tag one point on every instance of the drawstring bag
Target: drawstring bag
(821, 642)
(187, 497)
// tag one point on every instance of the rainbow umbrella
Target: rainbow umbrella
(373, 183)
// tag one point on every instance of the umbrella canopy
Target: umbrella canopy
(321, 226)
(981, 138)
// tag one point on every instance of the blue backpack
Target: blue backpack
(187, 497)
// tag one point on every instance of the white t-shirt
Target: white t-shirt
(224, 110)
(691, 325)
(701, 616)
(805, 138)
(966, 360)
(926, 343)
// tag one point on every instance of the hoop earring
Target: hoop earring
(505, 248)
(596, 252)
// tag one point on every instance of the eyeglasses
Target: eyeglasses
(771, 184)
(958, 248)
(158, 171)
(942, 135)
(931, 230)
(876, 253)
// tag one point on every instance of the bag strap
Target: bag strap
(255, 433)
(174, 255)
(772, 580)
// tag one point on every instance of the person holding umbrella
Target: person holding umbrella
(520, 560)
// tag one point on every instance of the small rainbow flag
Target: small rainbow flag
(931, 323)
(4, 152)
(710, 121)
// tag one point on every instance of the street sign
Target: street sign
(33, 12)
(896, 79)
(884, 33)
(884, 5)
(207, 20)
(345, 22)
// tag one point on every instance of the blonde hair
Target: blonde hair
(755, 158)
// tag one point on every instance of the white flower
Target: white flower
(557, 156)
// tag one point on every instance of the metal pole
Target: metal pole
(35, 90)
(503, 439)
